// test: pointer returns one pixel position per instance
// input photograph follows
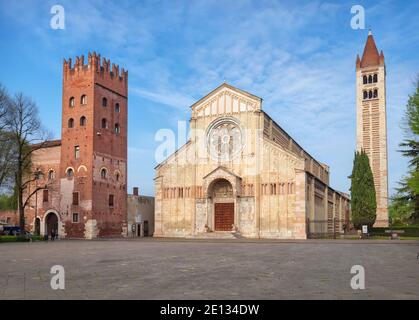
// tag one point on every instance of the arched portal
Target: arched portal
(51, 223)
(221, 193)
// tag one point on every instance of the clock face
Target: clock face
(224, 140)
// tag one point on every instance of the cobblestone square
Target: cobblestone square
(210, 269)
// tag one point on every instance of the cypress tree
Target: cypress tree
(363, 201)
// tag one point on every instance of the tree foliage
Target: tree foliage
(405, 203)
(27, 134)
(363, 200)
(8, 202)
(21, 134)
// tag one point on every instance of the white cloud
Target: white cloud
(173, 99)
(299, 58)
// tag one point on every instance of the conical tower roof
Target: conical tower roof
(370, 57)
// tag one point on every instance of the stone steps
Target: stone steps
(215, 235)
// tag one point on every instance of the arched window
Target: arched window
(370, 79)
(375, 78)
(71, 123)
(365, 79)
(117, 108)
(365, 95)
(104, 102)
(70, 173)
(117, 128)
(104, 123)
(83, 100)
(51, 175)
(375, 93)
(370, 94)
(83, 121)
(71, 103)
(117, 176)
(104, 173)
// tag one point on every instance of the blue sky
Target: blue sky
(299, 56)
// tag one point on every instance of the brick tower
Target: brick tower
(371, 132)
(93, 166)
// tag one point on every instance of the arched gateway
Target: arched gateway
(51, 223)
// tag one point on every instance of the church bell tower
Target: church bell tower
(371, 123)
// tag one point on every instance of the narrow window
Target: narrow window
(370, 79)
(117, 108)
(51, 175)
(104, 123)
(75, 198)
(365, 79)
(71, 123)
(70, 173)
(83, 121)
(45, 195)
(375, 78)
(365, 95)
(77, 152)
(103, 173)
(117, 128)
(370, 94)
(71, 103)
(83, 100)
(375, 93)
(104, 102)
(111, 203)
(117, 177)
(75, 217)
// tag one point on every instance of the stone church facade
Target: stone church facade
(241, 174)
(82, 178)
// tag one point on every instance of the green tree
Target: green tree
(8, 201)
(406, 199)
(363, 201)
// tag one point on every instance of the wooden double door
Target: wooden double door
(224, 216)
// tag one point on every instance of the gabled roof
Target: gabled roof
(229, 86)
(47, 144)
(224, 169)
(172, 155)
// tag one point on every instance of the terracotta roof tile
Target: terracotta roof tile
(370, 57)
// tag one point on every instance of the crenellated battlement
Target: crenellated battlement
(99, 68)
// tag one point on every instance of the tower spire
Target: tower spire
(370, 57)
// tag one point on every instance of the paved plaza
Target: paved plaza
(210, 269)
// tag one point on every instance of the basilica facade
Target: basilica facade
(241, 175)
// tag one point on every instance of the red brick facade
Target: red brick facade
(9, 217)
(88, 192)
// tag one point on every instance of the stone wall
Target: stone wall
(140, 209)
